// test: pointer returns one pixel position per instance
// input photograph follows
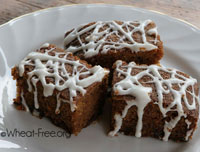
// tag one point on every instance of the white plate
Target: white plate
(26, 33)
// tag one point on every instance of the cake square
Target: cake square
(104, 42)
(153, 101)
(61, 87)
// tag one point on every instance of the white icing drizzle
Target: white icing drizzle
(45, 45)
(54, 66)
(131, 86)
(189, 132)
(188, 123)
(98, 41)
(57, 111)
(23, 102)
(36, 113)
(34, 82)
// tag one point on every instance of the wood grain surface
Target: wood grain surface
(188, 10)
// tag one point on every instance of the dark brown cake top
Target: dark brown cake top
(101, 37)
(173, 91)
(58, 70)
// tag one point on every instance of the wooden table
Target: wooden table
(188, 10)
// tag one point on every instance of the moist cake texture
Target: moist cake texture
(102, 43)
(153, 101)
(61, 87)
(70, 86)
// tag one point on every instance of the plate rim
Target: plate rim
(97, 4)
(56, 8)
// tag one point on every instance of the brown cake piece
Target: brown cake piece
(61, 87)
(102, 43)
(153, 101)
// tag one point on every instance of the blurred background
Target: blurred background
(188, 10)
